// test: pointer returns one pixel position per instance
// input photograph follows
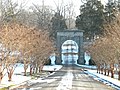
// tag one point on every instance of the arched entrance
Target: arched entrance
(69, 52)
(74, 35)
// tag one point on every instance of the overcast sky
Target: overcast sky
(76, 3)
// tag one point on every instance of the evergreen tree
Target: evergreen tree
(118, 5)
(111, 9)
(91, 18)
(58, 24)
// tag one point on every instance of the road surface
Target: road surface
(68, 78)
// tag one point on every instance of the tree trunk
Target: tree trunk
(1, 73)
(25, 68)
(10, 73)
(112, 74)
(1, 76)
(119, 75)
(112, 70)
(98, 69)
(40, 68)
(108, 72)
(25, 71)
(9, 76)
(101, 70)
(105, 71)
(31, 68)
(36, 70)
(119, 70)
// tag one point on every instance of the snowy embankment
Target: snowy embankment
(113, 82)
(87, 66)
(91, 71)
(19, 78)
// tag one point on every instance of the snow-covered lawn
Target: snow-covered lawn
(19, 78)
(114, 82)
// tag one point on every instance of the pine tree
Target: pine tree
(58, 24)
(91, 18)
(110, 11)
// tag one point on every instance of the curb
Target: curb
(103, 80)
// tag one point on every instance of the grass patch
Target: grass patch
(4, 89)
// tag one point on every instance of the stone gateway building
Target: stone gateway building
(74, 35)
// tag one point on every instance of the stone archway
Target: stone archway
(75, 35)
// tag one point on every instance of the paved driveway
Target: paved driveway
(68, 78)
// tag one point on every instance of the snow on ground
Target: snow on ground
(52, 67)
(18, 77)
(87, 66)
(66, 82)
(91, 71)
(105, 79)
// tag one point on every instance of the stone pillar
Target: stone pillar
(58, 56)
(81, 51)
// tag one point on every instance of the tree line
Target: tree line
(20, 43)
(104, 50)
(93, 16)
(27, 36)
(42, 16)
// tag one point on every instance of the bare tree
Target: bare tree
(103, 59)
(112, 30)
(44, 47)
(70, 16)
(21, 42)
(107, 48)
(3, 59)
(67, 11)
(43, 16)
(10, 10)
(9, 52)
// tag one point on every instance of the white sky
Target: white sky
(76, 3)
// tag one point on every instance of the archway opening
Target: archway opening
(69, 52)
